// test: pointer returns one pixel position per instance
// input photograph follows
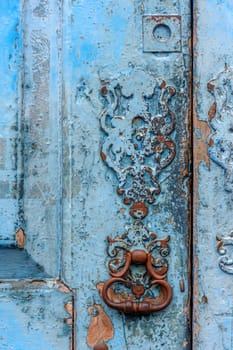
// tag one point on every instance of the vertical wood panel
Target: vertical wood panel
(42, 125)
(10, 111)
(103, 41)
(213, 62)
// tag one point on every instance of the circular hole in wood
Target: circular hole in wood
(162, 32)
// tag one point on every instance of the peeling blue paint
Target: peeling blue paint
(54, 182)
(11, 58)
(91, 208)
(213, 54)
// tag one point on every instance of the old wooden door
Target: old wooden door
(116, 174)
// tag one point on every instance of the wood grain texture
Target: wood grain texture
(102, 42)
(213, 205)
(67, 204)
(10, 101)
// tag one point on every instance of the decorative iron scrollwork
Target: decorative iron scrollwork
(221, 122)
(225, 248)
(138, 123)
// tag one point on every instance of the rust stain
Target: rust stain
(200, 154)
(182, 285)
(163, 84)
(212, 111)
(219, 244)
(63, 288)
(38, 283)
(138, 209)
(200, 143)
(100, 328)
(104, 90)
(20, 238)
(103, 156)
(185, 170)
(126, 200)
(69, 309)
(100, 347)
(158, 19)
(211, 142)
(204, 299)
(210, 86)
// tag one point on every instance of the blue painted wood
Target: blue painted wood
(41, 136)
(213, 203)
(32, 316)
(10, 100)
(70, 50)
(35, 306)
(103, 41)
(30, 140)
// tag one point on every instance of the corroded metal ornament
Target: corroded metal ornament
(221, 122)
(225, 248)
(140, 247)
(138, 123)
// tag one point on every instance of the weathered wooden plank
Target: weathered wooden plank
(10, 100)
(30, 140)
(41, 137)
(213, 58)
(103, 42)
(36, 314)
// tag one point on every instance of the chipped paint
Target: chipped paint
(99, 52)
(213, 52)
(20, 238)
(59, 193)
(144, 131)
(220, 120)
(100, 328)
(69, 309)
(31, 316)
(10, 101)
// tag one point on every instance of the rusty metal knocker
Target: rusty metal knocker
(138, 290)
(140, 300)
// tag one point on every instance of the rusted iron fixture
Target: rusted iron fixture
(152, 271)
(220, 116)
(138, 124)
(138, 145)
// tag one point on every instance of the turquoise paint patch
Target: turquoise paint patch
(118, 26)
(10, 64)
(88, 53)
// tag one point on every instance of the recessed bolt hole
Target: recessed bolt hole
(162, 33)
